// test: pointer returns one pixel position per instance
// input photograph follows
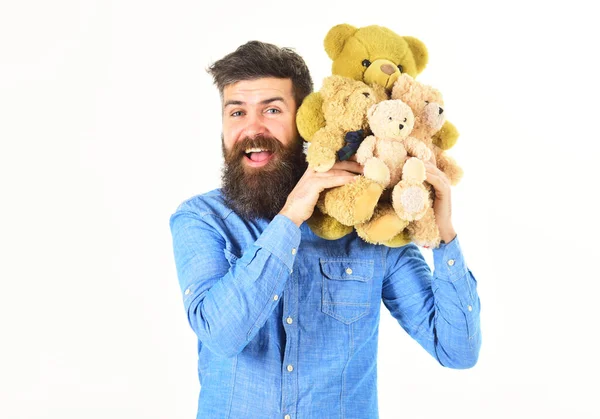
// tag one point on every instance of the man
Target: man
(287, 322)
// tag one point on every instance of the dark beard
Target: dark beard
(261, 192)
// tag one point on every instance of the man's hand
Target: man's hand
(442, 205)
(301, 202)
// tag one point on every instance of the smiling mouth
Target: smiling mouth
(258, 156)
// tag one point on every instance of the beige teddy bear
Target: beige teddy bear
(386, 157)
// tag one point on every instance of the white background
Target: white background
(108, 121)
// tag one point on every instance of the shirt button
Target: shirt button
(290, 368)
(289, 320)
(451, 262)
(469, 308)
(287, 417)
(275, 297)
(187, 291)
(293, 250)
(349, 271)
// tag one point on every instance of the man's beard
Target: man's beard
(261, 192)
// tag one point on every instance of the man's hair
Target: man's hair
(255, 60)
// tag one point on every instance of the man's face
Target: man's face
(261, 146)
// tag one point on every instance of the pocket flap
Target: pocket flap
(347, 269)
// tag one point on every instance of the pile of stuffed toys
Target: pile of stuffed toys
(372, 107)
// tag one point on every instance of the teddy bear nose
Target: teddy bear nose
(441, 110)
(388, 69)
(366, 94)
(401, 126)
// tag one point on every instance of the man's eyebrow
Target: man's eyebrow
(262, 102)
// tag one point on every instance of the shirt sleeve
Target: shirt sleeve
(228, 300)
(440, 311)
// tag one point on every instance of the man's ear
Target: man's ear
(336, 39)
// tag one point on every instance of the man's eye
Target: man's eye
(273, 110)
(237, 113)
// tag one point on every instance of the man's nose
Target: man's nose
(254, 125)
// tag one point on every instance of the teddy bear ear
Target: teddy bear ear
(402, 86)
(336, 39)
(419, 51)
(371, 111)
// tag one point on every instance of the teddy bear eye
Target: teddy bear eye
(400, 68)
(404, 119)
(427, 102)
(366, 63)
(390, 118)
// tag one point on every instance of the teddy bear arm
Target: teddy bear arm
(310, 117)
(446, 137)
(417, 148)
(449, 166)
(366, 149)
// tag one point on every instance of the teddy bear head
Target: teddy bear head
(374, 54)
(391, 119)
(425, 102)
(346, 102)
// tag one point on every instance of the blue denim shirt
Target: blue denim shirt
(287, 322)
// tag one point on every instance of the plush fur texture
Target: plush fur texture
(428, 106)
(374, 55)
(345, 104)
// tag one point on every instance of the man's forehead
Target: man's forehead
(251, 91)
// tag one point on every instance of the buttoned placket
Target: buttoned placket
(289, 396)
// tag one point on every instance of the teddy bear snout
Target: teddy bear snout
(401, 127)
(388, 69)
(366, 94)
(441, 110)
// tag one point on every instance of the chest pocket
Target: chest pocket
(346, 288)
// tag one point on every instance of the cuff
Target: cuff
(281, 238)
(448, 261)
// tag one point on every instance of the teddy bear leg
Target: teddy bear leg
(376, 170)
(383, 226)
(424, 232)
(410, 198)
(327, 227)
(354, 202)
(399, 240)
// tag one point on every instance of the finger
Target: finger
(432, 169)
(333, 181)
(348, 165)
(434, 179)
(335, 172)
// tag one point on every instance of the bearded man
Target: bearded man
(287, 322)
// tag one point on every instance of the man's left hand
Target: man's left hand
(442, 204)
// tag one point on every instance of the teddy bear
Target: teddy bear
(392, 157)
(376, 56)
(427, 106)
(345, 105)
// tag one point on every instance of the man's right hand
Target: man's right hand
(301, 201)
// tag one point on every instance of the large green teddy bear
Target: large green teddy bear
(374, 55)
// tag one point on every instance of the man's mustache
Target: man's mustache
(259, 141)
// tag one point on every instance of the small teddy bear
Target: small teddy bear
(387, 156)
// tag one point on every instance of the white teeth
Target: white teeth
(254, 150)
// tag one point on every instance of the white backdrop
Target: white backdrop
(108, 121)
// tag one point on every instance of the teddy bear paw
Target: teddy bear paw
(377, 171)
(410, 200)
(320, 159)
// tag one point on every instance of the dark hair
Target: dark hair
(255, 60)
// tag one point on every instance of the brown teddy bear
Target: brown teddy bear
(345, 105)
(426, 104)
